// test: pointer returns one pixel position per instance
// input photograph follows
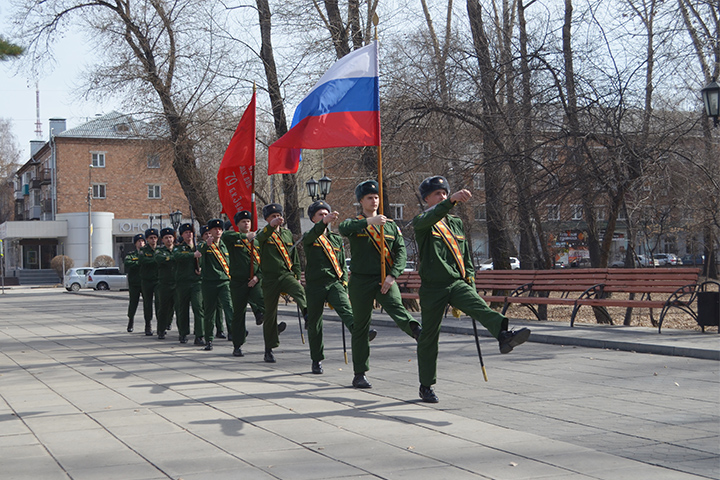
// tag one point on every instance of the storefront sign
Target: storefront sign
(129, 227)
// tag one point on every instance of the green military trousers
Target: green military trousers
(149, 290)
(433, 300)
(317, 294)
(242, 295)
(189, 295)
(135, 292)
(166, 307)
(364, 291)
(272, 288)
(215, 294)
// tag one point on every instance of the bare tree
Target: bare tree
(10, 155)
(162, 55)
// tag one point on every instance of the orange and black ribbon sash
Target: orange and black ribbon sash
(374, 234)
(281, 248)
(451, 243)
(220, 258)
(330, 252)
(251, 248)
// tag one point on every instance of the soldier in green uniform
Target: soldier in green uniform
(166, 280)
(215, 277)
(448, 277)
(245, 276)
(326, 279)
(365, 285)
(132, 269)
(281, 274)
(218, 315)
(149, 277)
(188, 286)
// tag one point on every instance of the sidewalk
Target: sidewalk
(80, 398)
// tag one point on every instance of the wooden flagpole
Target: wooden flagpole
(253, 212)
(381, 209)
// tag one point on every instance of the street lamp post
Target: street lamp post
(318, 189)
(89, 202)
(711, 99)
(175, 219)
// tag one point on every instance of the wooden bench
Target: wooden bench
(591, 287)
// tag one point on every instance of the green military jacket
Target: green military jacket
(365, 257)
(132, 267)
(240, 256)
(271, 259)
(184, 256)
(148, 267)
(319, 268)
(212, 269)
(437, 262)
(166, 266)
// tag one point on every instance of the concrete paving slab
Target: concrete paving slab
(549, 411)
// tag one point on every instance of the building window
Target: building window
(479, 181)
(553, 212)
(154, 191)
(396, 211)
(153, 160)
(358, 209)
(480, 213)
(600, 213)
(98, 159)
(577, 212)
(98, 190)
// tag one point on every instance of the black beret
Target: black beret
(137, 237)
(271, 208)
(185, 227)
(150, 232)
(242, 215)
(366, 188)
(318, 205)
(203, 230)
(215, 223)
(167, 231)
(431, 184)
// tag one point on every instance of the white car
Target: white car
(488, 264)
(646, 261)
(76, 278)
(107, 278)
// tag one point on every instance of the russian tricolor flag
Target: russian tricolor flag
(342, 110)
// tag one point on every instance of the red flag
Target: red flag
(237, 169)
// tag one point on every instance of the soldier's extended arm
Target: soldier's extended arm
(426, 220)
(352, 226)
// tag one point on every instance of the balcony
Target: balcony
(19, 196)
(45, 176)
(26, 189)
(34, 213)
(35, 184)
(47, 205)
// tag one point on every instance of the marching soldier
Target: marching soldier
(245, 276)
(149, 277)
(132, 269)
(218, 314)
(448, 277)
(215, 278)
(326, 279)
(188, 286)
(281, 273)
(166, 280)
(365, 285)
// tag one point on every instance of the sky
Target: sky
(17, 90)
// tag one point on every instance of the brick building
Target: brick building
(113, 169)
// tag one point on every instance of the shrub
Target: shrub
(103, 261)
(57, 264)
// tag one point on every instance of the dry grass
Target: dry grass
(675, 318)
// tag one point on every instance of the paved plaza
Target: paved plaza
(82, 399)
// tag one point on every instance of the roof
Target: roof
(112, 125)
